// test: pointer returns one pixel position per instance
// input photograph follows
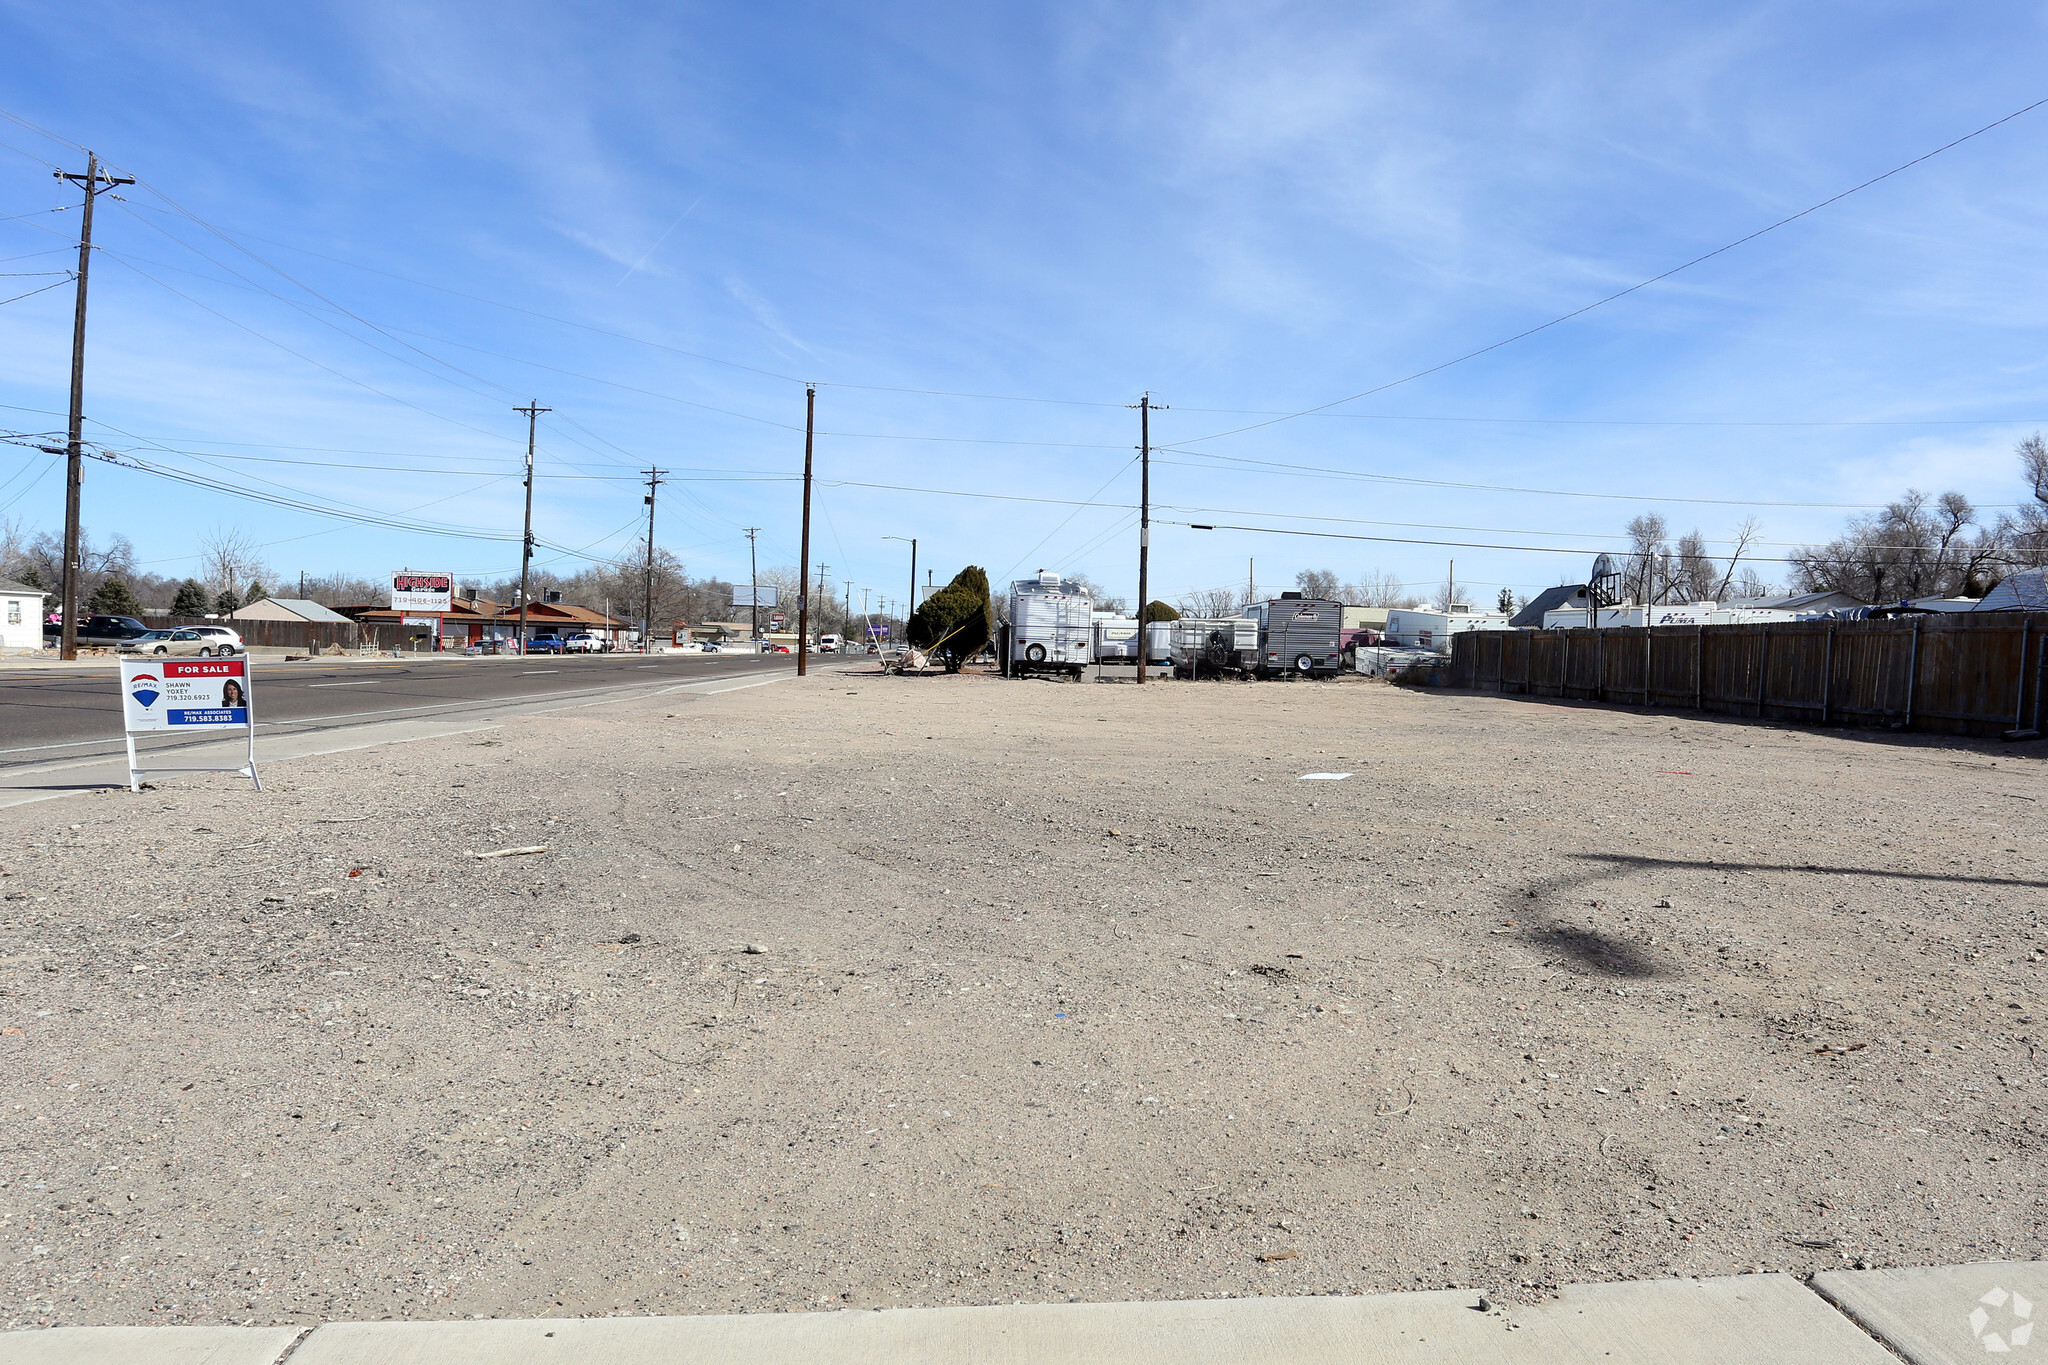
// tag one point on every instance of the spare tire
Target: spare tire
(1304, 664)
(1035, 653)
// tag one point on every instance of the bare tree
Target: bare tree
(1317, 583)
(1646, 574)
(1213, 603)
(1104, 599)
(228, 560)
(1915, 547)
(2025, 529)
(1378, 588)
(1453, 594)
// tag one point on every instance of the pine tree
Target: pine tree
(190, 601)
(1507, 601)
(113, 598)
(30, 578)
(1156, 610)
(227, 603)
(257, 592)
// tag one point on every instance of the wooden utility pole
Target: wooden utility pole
(1145, 407)
(754, 574)
(533, 411)
(74, 476)
(647, 611)
(803, 568)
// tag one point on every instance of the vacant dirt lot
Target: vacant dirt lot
(1061, 991)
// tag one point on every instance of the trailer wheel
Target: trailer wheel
(1035, 653)
(1304, 664)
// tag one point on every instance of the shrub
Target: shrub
(1156, 610)
(957, 621)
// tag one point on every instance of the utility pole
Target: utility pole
(533, 411)
(848, 615)
(803, 568)
(1251, 580)
(754, 573)
(75, 450)
(1145, 407)
(647, 611)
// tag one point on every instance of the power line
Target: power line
(1624, 293)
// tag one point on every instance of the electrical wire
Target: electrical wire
(58, 284)
(1624, 293)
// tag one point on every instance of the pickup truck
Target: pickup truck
(98, 630)
(583, 642)
(544, 644)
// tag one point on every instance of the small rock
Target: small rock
(755, 948)
(1485, 1305)
(1663, 903)
(629, 938)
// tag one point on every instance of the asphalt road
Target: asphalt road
(45, 716)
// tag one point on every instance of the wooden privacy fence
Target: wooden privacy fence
(295, 634)
(1949, 673)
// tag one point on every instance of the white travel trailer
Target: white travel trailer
(1663, 614)
(1214, 646)
(1422, 628)
(1051, 626)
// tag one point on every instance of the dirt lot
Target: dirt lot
(1061, 992)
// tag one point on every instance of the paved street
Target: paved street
(76, 713)
(60, 731)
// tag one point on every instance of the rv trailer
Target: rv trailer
(1300, 636)
(1215, 646)
(1051, 627)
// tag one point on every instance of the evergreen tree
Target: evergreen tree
(190, 601)
(227, 603)
(30, 578)
(957, 621)
(1507, 601)
(257, 592)
(113, 598)
(1156, 610)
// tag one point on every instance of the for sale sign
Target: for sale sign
(189, 694)
(422, 592)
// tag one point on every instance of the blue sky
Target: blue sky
(1242, 208)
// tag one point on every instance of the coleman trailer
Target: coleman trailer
(1299, 635)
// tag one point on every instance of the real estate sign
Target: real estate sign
(422, 592)
(186, 694)
(177, 696)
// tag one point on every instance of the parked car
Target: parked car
(98, 630)
(544, 644)
(184, 640)
(225, 641)
(712, 647)
(583, 642)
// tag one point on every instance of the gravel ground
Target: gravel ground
(866, 991)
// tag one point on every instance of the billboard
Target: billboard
(422, 592)
(188, 694)
(753, 597)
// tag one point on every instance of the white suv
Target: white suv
(223, 640)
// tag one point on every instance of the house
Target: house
(2026, 590)
(288, 609)
(21, 615)
(1791, 606)
(473, 620)
(1560, 598)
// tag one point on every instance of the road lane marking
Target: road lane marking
(366, 682)
(536, 672)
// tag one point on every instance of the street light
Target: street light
(913, 583)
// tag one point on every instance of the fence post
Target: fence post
(1599, 664)
(2019, 684)
(1763, 668)
(1913, 670)
(1646, 659)
(1827, 674)
(1564, 663)
(1699, 672)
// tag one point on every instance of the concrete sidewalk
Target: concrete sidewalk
(1931, 1316)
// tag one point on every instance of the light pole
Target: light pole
(913, 583)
